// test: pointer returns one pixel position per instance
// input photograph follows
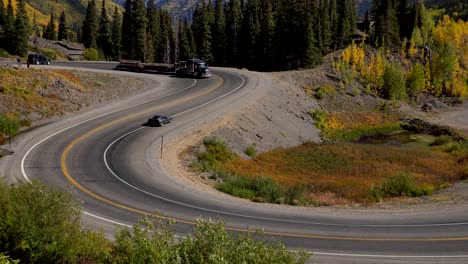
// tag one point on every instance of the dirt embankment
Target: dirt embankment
(36, 96)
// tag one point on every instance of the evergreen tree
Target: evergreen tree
(89, 30)
(324, 36)
(116, 34)
(386, 29)
(139, 24)
(9, 33)
(250, 33)
(128, 48)
(21, 30)
(367, 22)
(233, 29)
(219, 35)
(346, 22)
(265, 37)
(202, 32)
(296, 47)
(104, 34)
(333, 16)
(2, 24)
(191, 39)
(62, 30)
(49, 32)
(405, 20)
(183, 46)
(154, 27)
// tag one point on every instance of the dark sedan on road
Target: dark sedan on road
(159, 120)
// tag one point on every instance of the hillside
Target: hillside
(74, 9)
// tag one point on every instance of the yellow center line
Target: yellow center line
(138, 211)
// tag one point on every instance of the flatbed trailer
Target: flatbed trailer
(195, 68)
(139, 66)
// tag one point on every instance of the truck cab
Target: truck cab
(194, 68)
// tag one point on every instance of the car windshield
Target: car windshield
(156, 117)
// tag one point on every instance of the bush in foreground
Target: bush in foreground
(209, 243)
(43, 225)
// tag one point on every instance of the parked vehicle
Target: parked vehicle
(37, 58)
(159, 120)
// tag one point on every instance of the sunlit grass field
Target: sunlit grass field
(364, 171)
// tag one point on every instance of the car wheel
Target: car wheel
(37, 62)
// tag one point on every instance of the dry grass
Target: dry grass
(347, 171)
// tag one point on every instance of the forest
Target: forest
(268, 35)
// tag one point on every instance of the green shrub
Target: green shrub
(250, 151)
(8, 126)
(4, 259)
(394, 87)
(415, 81)
(91, 54)
(3, 53)
(49, 53)
(320, 118)
(399, 185)
(215, 154)
(209, 242)
(43, 225)
(441, 140)
(262, 189)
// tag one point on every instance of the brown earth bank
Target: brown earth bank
(281, 118)
(34, 97)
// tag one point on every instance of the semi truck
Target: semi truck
(195, 68)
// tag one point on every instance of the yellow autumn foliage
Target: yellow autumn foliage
(455, 33)
(354, 55)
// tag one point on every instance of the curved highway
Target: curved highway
(111, 160)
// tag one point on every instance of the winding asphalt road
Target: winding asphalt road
(111, 160)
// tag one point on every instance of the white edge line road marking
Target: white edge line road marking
(240, 215)
(382, 256)
(194, 83)
(25, 175)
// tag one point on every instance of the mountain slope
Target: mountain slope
(177, 8)
(74, 10)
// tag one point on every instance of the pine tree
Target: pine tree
(219, 35)
(201, 27)
(116, 34)
(2, 24)
(192, 52)
(104, 34)
(233, 29)
(62, 30)
(183, 47)
(325, 37)
(346, 22)
(128, 48)
(21, 30)
(265, 37)
(139, 24)
(333, 16)
(89, 30)
(386, 29)
(50, 33)
(154, 27)
(9, 33)
(250, 33)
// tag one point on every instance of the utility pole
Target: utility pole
(162, 146)
(9, 134)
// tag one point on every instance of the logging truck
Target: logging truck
(195, 68)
